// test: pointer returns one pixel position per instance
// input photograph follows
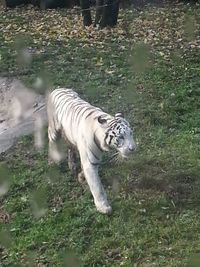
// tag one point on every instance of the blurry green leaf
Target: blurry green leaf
(190, 26)
(39, 202)
(43, 82)
(70, 260)
(5, 238)
(30, 259)
(53, 174)
(140, 58)
(194, 261)
(4, 180)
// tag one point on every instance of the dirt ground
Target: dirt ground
(21, 112)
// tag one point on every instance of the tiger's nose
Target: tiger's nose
(132, 148)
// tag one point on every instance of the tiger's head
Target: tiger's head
(118, 134)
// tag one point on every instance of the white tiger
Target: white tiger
(90, 131)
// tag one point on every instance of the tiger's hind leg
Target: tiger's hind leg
(81, 177)
(72, 161)
(54, 133)
(54, 156)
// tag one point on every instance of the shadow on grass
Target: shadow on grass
(180, 186)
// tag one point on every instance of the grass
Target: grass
(155, 195)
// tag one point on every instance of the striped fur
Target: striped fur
(91, 132)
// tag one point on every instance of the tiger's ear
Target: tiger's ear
(119, 115)
(102, 120)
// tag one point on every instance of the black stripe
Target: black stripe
(63, 107)
(73, 105)
(58, 94)
(77, 114)
(111, 137)
(96, 141)
(57, 97)
(75, 108)
(91, 112)
(69, 106)
(112, 124)
(60, 102)
(87, 108)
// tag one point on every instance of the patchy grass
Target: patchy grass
(155, 195)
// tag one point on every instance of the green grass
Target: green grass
(155, 195)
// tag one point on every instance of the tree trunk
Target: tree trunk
(109, 13)
(44, 4)
(14, 3)
(115, 12)
(85, 6)
(99, 12)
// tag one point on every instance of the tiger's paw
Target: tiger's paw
(104, 209)
(54, 157)
(50, 162)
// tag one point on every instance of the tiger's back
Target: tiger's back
(69, 113)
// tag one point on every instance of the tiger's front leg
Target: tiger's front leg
(96, 188)
(72, 161)
(92, 177)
